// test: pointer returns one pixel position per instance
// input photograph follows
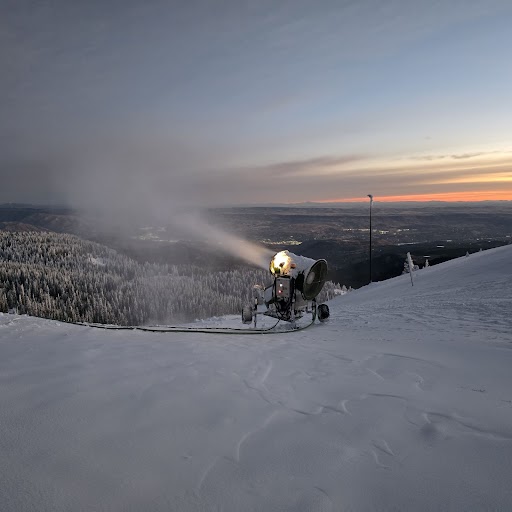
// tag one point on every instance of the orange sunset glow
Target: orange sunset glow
(473, 196)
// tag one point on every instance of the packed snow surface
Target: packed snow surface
(401, 401)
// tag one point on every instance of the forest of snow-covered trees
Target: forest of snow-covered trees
(66, 278)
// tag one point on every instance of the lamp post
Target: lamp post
(371, 202)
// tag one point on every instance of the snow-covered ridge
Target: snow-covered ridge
(477, 288)
(402, 401)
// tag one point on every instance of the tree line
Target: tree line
(66, 278)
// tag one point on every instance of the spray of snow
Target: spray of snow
(226, 242)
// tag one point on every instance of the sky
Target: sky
(160, 104)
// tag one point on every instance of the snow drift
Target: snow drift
(402, 401)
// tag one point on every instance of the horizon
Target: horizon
(327, 204)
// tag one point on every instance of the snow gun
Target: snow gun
(297, 282)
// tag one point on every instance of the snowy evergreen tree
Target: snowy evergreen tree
(407, 265)
(410, 267)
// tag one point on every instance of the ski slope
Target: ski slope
(402, 401)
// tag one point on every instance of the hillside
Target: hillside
(62, 277)
(402, 401)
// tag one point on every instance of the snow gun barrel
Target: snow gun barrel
(310, 275)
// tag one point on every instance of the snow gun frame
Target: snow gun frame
(297, 282)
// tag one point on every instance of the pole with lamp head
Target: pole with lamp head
(371, 202)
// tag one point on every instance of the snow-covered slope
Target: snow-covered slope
(402, 401)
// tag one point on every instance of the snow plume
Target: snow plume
(226, 242)
(120, 190)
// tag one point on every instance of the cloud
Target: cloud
(466, 155)
(295, 168)
(460, 156)
(138, 178)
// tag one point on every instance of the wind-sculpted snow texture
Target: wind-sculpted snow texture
(401, 401)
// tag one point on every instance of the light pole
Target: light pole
(371, 202)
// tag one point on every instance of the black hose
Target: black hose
(206, 330)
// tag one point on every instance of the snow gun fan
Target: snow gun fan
(297, 282)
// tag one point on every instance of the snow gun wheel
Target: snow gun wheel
(247, 314)
(323, 312)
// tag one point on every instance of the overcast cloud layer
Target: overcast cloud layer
(162, 104)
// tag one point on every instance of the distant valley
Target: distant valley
(341, 235)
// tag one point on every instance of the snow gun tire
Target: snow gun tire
(323, 312)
